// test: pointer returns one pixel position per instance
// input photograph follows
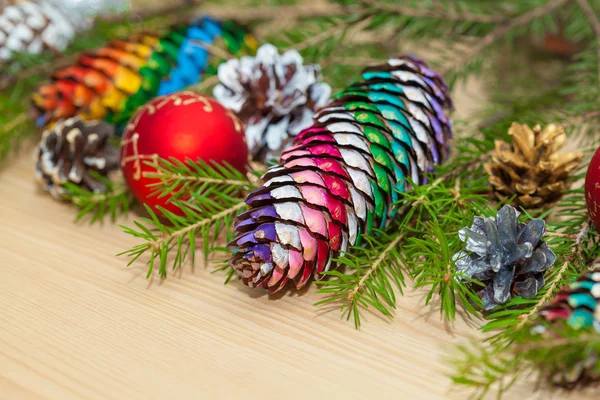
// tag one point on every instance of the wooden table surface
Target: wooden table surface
(75, 322)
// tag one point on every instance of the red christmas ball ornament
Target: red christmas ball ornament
(592, 189)
(183, 125)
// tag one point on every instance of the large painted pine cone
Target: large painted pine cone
(343, 175)
(110, 83)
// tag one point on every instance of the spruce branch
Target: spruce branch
(14, 123)
(11, 135)
(442, 14)
(206, 198)
(371, 275)
(508, 320)
(62, 61)
(594, 21)
(299, 11)
(374, 267)
(206, 84)
(335, 31)
(498, 33)
(157, 243)
(208, 216)
(172, 7)
(373, 271)
(177, 179)
(116, 201)
(548, 357)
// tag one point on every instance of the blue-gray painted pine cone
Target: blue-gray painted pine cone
(509, 257)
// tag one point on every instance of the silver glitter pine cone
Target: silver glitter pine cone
(509, 257)
(70, 150)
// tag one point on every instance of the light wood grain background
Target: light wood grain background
(76, 323)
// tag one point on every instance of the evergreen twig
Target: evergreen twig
(445, 14)
(203, 200)
(594, 21)
(500, 31)
(116, 201)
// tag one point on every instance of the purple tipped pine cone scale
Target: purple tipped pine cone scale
(343, 175)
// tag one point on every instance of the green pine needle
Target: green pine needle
(209, 196)
(95, 207)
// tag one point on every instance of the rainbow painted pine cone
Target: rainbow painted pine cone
(343, 174)
(578, 305)
(110, 83)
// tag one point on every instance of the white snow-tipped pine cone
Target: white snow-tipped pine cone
(274, 94)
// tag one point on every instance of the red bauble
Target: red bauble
(592, 189)
(183, 125)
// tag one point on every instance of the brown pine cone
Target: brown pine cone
(70, 150)
(531, 167)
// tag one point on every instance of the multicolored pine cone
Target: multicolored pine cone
(344, 174)
(578, 305)
(110, 83)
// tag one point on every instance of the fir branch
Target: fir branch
(335, 31)
(594, 21)
(14, 123)
(509, 319)
(208, 217)
(10, 136)
(298, 11)
(377, 271)
(207, 197)
(374, 267)
(206, 84)
(172, 7)
(374, 271)
(62, 61)
(443, 14)
(548, 357)
(499, 32)
(177, 179)
(116, 201)
(156, 244)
